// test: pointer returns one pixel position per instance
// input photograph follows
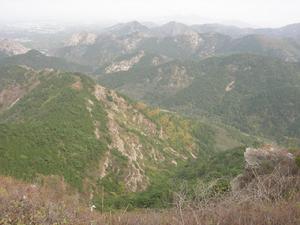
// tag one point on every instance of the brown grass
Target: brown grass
(22, 203)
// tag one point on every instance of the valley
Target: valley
(172, 121)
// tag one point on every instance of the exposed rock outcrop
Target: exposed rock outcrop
(83, 38)
(132, 134)
(124, 65)
(262, 162)
(190, 39)
(11, 47)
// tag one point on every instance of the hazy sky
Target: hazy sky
(253, 12)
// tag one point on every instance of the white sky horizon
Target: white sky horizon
(254, 13)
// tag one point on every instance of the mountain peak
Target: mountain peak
(128, 28)
(174, 23)
(34, 52)
(172, 28)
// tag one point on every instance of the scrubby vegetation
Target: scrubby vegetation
(23, 203)
(50, 132)
(254, 93)
(38, 61)
(57, 137)
(59, 127)
(73, 151)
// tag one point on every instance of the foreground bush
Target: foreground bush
(22, 203)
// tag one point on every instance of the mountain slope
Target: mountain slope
(289, 31)
(106, 49)
(83, 38)
(285, 49)
(254, 93)
(179, 41)
(37, 60)
(10, 47)
(65, 124)
(129, 28)
(154, 77)
(171, 29)
(185, 45)
(231, 31)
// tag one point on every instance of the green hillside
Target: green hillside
(65, 124)
(285, 49)
(185, 45)
(50, 131)
(39, 61)
(255, 94)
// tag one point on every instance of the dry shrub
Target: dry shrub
(22, 203)
(269, 200)
(272, 199)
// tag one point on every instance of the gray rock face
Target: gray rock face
(124, 65)
(11, 47)
(267, 158)
(82, 39)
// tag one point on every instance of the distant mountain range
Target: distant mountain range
(178, 66)
(10, 47)
(174, 28)
(180, 41)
